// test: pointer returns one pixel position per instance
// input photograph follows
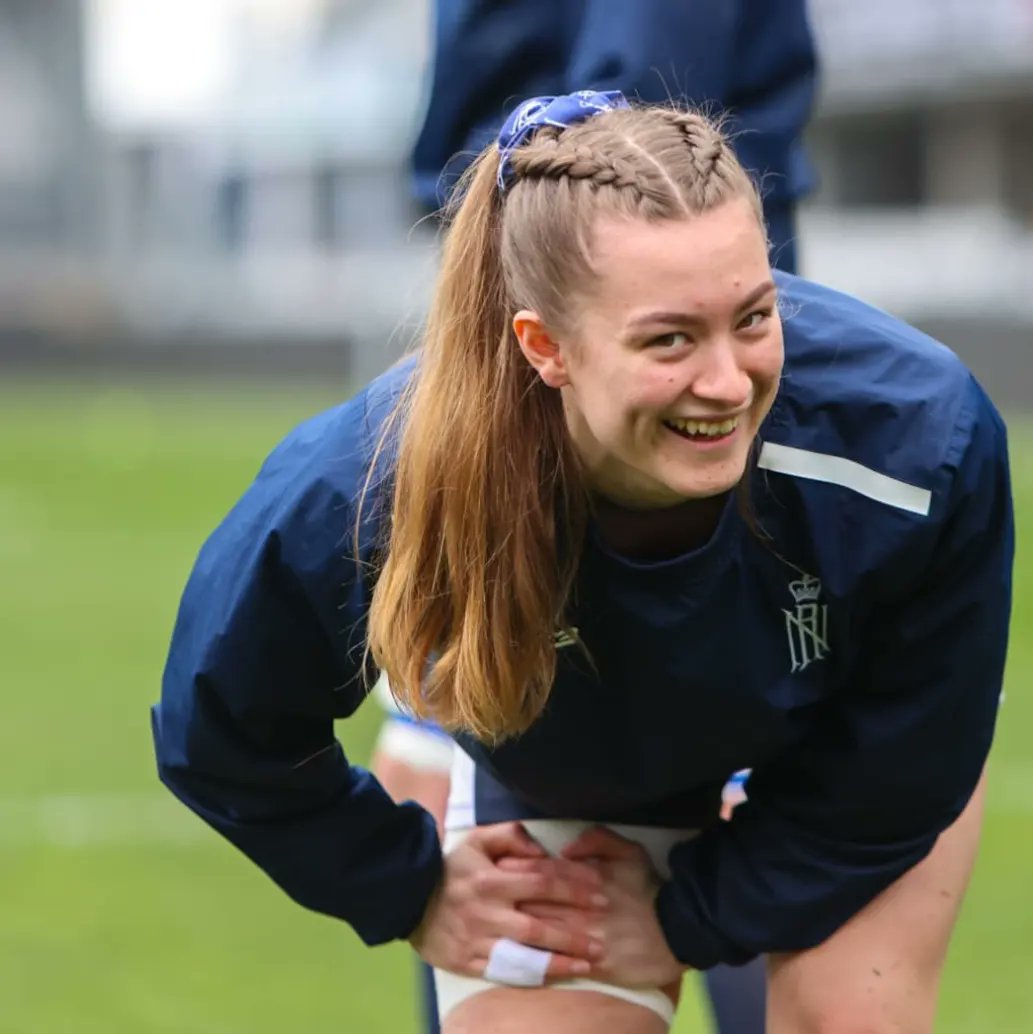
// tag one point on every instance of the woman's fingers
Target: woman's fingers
(505, 838)
(601, 843)
(561, 967)
(565, 967)
(541, 884)
(579, 872)
(475, 908)
(561, 914)
(571, 938)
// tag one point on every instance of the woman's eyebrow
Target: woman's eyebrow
(666, 316)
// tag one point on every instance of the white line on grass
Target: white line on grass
(73, 820)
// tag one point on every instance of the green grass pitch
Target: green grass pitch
(120, 913)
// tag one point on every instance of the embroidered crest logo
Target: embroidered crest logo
(807, 624)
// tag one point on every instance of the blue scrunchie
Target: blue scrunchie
(549, 111)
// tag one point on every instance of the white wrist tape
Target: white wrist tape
(517, 965)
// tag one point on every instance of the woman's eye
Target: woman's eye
(755, 319)
(673, 340)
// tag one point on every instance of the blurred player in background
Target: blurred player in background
(754, 59)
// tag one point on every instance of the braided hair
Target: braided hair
(649, 163)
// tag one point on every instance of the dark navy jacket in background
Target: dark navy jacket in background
(755, 58)
(854, 662)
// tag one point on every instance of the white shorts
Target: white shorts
(554, 835)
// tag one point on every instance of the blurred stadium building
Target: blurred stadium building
(193, 181)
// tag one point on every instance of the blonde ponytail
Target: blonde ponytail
(474, 585)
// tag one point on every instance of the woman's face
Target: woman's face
(674, 359)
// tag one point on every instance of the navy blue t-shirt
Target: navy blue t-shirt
(846, 643)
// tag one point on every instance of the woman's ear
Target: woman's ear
(540, 348)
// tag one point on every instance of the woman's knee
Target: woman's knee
(876, 998)
(880, 972)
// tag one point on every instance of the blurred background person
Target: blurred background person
(754, 59)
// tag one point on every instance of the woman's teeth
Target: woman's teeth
(707, 429)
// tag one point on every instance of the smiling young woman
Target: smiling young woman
(673, 360)
(622, 531)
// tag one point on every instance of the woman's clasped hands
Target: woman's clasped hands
(508, 912)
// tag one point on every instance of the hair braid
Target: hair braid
(708, 150)
(550, 156)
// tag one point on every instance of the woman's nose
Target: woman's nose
(721, 378)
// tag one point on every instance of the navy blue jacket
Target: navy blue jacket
(754, 58)
(854, 661)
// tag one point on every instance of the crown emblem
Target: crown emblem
(806, 590)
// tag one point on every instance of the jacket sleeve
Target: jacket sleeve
(267, 651)
(894, 758)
